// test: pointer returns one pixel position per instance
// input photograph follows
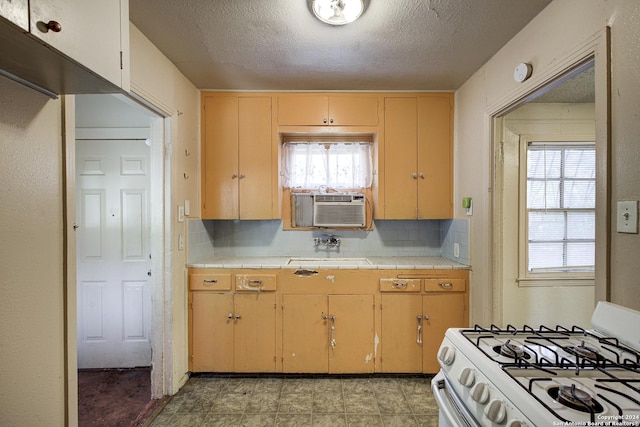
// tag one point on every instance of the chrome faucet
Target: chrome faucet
(328, 240)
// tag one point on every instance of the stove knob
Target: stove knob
(516, 423)
(496, 411)
(467, 377)
(446, 355)
(480, 393)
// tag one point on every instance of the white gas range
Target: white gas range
(542, 376)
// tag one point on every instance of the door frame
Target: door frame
(597, 49)
(160, 224)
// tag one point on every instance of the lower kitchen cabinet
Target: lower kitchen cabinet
(414, 324)
(233, 332)
(328, 333)
(323, 321)
(440, 312)
(400, 337)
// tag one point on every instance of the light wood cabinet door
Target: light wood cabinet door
(400, 139)
(311, 110)
(236, 170)
(418, 157)
(440, 311)
(16, 11)
(400, 337)
(353, 111)
(435, 157)
(220, 153)
(93, 33)
(305, 343)
(255, 332)
(254, 158)
(351, 334)
(322, 110)
(212, 332)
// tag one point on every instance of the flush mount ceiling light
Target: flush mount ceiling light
(337, 12)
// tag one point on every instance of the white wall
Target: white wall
(156, 80)
(32, 375)
(556, 31)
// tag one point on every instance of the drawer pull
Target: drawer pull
(446, 285)
(257, 285)
(400, 284)
(208, 282)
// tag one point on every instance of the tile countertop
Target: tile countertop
(380, 263)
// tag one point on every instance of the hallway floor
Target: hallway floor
(115, 397)
(295, 401)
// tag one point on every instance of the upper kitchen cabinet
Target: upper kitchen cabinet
(418, 157)
(331, 110)
(16, 11)
(66, 46)
(236, 157)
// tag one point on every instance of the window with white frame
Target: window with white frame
(559, 210)
(312, 165)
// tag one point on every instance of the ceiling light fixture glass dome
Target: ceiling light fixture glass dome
(337, 12)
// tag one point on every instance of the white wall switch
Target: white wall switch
(180, 213)
(627, 216)
(187, 208)
(180, 242)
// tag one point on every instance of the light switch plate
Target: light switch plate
(187, 207)
(180, 213)
(180, 242)
(627, 216)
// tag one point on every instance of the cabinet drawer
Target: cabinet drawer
(210, 282)
(255, 282)
(445, 285)
(399, 285)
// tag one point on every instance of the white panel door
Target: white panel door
(114, 296)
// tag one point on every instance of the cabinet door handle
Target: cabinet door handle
(234, 176)
(230, 315)
(237, 316)
(419, 332)
(414, 175)
(323, 316)
(241, 176)
(331, 121)
(421, 175)
(324, 120)
(333, 331)
(446, 285)
(45, 27)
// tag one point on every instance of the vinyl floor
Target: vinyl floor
(369, 401)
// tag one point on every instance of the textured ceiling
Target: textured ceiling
(279, 45)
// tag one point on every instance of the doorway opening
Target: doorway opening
(563, 113)
(117, 182)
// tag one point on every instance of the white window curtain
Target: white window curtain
(312, 166)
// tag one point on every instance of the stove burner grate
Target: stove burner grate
(575, 398)
(511, 350)
(585, 352)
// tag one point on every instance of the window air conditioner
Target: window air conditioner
(339, 210)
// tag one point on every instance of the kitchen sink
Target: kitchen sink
(328, 262)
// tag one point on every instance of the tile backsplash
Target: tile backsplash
(209, 238)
